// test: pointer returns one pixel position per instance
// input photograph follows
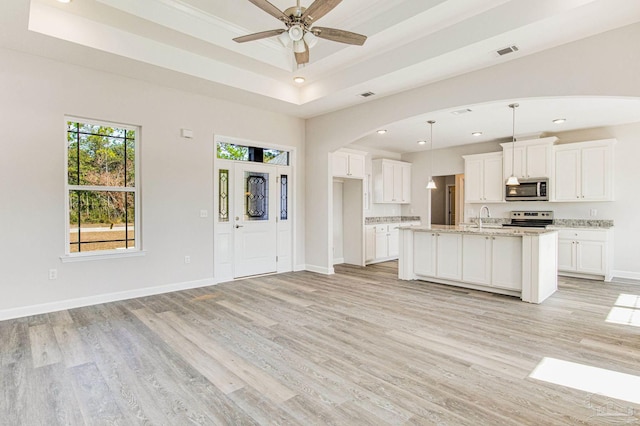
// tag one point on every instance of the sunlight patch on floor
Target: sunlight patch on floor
(622, 386)
(626, 310)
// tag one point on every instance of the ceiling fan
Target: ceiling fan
(299, 31)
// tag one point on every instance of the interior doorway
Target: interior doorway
(447, 200)
(348, 220)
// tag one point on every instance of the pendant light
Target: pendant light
(431, 184)
(513, 180)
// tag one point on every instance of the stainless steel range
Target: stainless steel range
(530, 219)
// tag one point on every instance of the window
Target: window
(103, 206)
(231, 151)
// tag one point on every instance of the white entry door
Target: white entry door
(255, 238)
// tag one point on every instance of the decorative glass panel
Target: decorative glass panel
(223, 196)
(256, 196)
(284, 196)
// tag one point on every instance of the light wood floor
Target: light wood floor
(356, 348)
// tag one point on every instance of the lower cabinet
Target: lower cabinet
(382, 242)
(438, 255)
(494, 261)
(585, 252)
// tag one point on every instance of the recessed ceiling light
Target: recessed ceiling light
(461, 111)
(382, 131)
(298, 80)
(559, 120)
(476, 134)
(422, 142)
(64, 1)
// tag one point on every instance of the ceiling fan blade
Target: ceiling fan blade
(258, 36)
(271, 9)
(340, 36)
(318, 9)
(303, 58)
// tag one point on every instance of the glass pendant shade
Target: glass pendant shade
(512, 181)
(311, 39)
(299, 47)
(431, 184)
(296, 33)
(285, 39)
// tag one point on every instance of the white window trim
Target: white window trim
(102, 254)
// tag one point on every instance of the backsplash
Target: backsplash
(374, 220)
(580, 223)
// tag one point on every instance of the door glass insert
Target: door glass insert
(256, 206)
(223, 195)
(284, 196)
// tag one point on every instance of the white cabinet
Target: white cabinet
(369, 243)
(391, 181)
(483, 178)
(438, 255)
(585, 252)
(382, 242)
(584, 171)
(494, 261)
(531, 158)
(349, 164)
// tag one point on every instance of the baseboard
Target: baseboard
(44, 308)
(320, 269)
(298, 268)
(627, 275)
(338, 261)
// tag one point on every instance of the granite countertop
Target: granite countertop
(379, 220)
(485, 230)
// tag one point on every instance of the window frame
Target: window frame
(135, 190)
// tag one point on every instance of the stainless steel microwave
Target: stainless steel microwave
(529, 190)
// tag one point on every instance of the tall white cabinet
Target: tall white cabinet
(584, 171)
(391, 181)
(483, 178)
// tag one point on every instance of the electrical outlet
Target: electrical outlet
(204, 213)
(53, 274)
(187, 259)
(593, 212)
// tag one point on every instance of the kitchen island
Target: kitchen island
(513, 261)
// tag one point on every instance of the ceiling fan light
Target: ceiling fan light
(296, 32)
(299, 47)
(512, 181)
(311, 39)
(431, 184)
(285, 39)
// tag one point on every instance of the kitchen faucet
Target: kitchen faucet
(480, 215)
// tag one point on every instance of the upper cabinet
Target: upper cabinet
(391, 181)
(584, 171)
(531, 158)
(349, 164)
(483, 178)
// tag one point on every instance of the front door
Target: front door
(255, 200)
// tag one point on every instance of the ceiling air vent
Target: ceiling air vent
(366, 94)
(507, 50)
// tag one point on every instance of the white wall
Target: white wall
(338, 223)
(176, 179)
(603, 65)
(623, 211)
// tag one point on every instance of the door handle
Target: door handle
(239, 226)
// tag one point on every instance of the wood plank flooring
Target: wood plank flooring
(356, 348)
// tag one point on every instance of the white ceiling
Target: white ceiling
(187, 44)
